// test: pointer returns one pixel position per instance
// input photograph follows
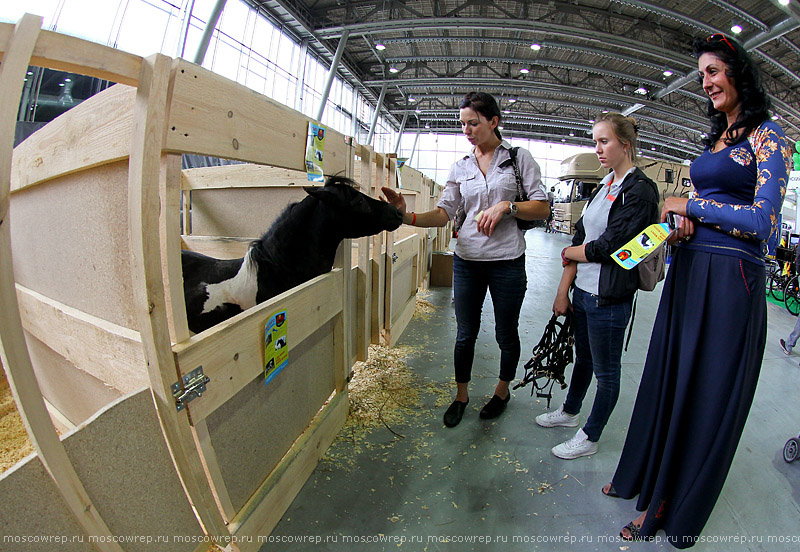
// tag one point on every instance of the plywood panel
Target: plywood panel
(70, 242)
(239, 212)
(251, 432)
(32, 507)
(121, 457)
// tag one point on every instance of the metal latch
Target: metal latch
(191, 386)
(394, 258)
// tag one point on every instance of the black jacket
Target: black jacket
(634, 209)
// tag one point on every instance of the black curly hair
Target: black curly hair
(485, 104)
(746, 78)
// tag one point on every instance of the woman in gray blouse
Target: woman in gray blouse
(490, 253)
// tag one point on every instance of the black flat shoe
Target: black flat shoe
(494, 407)
(454, 413)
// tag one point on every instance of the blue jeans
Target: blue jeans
(791, 341)
(599, 333)
(506, 281)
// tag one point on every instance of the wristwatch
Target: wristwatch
(512, 209)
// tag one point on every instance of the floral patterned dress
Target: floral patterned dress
(708, 340)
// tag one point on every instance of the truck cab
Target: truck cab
(582, 173)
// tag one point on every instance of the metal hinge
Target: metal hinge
(394, 258)
(191, 386)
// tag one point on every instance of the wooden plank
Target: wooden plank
(243, 176)
(212, 115)
(13, 351)
(148, 285)
(220, 248)
(75, 55)
(232, 352)
(111, 353)
(211, 465)
(263, 511)
(60, 422)
(95, 132)
(411, 179)
(169, 230)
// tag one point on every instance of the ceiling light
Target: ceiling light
(536, 47)
(512, 100)
(653, 148)
(736, 29)
(524, 70)
(500, 127)
(572, 134)
(591, 120)
(412, 99)
(776, 117)
(641, 90)
(30, 72)
(604, 111)
(506, 111)
(394, 69)
(380, 47)
(667, 73)
(417, 111)
(427, 126)
(67, 80)
(563, 139)
(61, 84)
(683, 140)
(783, 2)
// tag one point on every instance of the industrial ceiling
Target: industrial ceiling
(553, 65)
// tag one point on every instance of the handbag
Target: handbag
(521, 195)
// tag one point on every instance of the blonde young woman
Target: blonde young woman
(624, 204)
(490, 254)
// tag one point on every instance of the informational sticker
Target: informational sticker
(401, 161)
(276, 351)
(640, 247)
(315, 150)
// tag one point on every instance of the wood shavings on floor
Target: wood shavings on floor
(14, 442)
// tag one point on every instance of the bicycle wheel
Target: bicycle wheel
(776, 284)
(791, 296)
(772, 271)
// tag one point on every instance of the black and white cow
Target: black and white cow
(300, 245)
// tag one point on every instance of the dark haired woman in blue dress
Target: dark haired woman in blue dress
(708, 338)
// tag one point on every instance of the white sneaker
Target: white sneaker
(578, 446)
(557, 418)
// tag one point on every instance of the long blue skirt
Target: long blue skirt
(698, 384)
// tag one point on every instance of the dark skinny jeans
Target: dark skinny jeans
(506, 282)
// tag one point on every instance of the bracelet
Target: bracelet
(564, 260)
(414, 220)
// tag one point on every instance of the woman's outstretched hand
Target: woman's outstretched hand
(394, 199)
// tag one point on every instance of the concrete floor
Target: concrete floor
(494, 485)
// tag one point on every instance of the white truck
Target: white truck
(582, 172)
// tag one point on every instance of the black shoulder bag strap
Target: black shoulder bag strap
(521, 195)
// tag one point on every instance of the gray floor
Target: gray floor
(493, 485)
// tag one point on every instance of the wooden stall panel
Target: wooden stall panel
(401, 288)
(57, 252)
(32, 505)
(212, 115)
(251, 432)
(232, 353)
(95, 132)
(123, 461)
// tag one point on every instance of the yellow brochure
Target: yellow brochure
(640, 247)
